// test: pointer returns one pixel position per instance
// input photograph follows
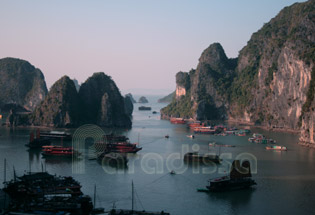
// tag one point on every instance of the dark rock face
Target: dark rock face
(60, 107)
(76, 84)
(128, 106)
(102, 102)
(269, 84)
(21, 83)
(131, 98)
(143, 99)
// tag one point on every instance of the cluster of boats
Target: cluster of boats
(259, 138)
(112, 149)
(201, 128)
(43, 193)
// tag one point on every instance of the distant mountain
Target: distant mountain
(143, 99)
(21, 83)
(269, 84)
(167, 99)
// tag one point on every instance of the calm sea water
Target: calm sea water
(285, 180)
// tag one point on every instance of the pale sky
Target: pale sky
(140, 43)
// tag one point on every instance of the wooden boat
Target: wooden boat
(195, 157)
(205, 130)
(49, 151)
(117, 144)
(177, 121)
(37, 142)
(191, 136)
(277, 148)
(55, 135)
(239, 178)
(195, 124)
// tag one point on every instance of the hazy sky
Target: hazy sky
(140, 43)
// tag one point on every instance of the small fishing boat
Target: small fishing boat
(191, 136)
(277, 148)
(167, 136)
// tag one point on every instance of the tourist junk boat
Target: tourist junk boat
(55, 135)
(195, 124)
(43, 193)
(117, 144)
(50, 151)
(115, 211)
(239, 178)
(195, 157)
(277, 148)
(37, 142)
(177, 121)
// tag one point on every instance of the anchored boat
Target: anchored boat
(240, 178)
(195, 157)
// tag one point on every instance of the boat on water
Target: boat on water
(195, 157)
(240, 178)
(55, 135)
(43, 193)
(195, 124)
(49, 151)
(133, 211)
(117, 144)
(144, 108)
(205, 130)
(177, 121)
(220, 145)
(37, 142)
(191, 136)
(277, 148)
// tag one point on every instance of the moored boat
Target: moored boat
(59, 151)
(177, 121)
(195, 157)
(53, 135)
(37, 142)
(205, 130)
(277, 148)
(239, 178)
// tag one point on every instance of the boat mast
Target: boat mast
(132, 197)
(94, 195)
(5, 170)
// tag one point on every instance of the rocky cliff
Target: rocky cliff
(60, 107)
(102, 102)
(128, 106)
(131, 98)
(21, 83)
(267, 84)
